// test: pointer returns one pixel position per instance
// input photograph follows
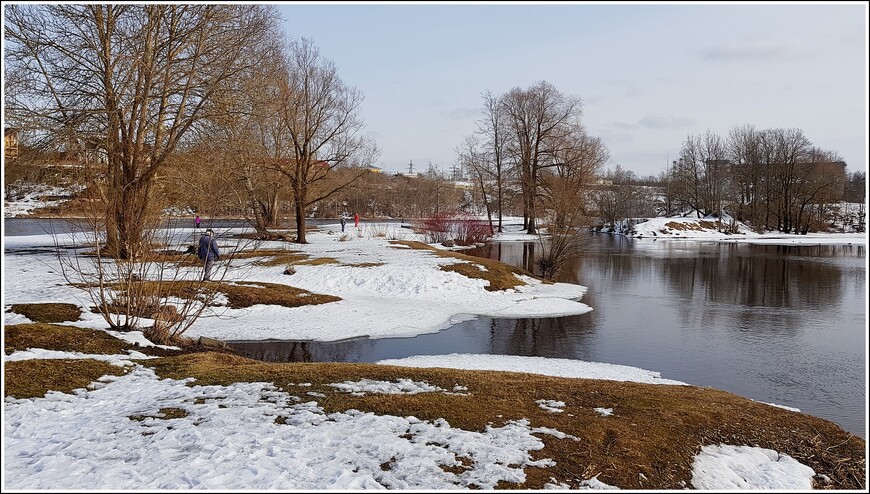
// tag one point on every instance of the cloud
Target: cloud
(756, 50)
(662, 121)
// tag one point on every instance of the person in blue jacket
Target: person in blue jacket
(208, 252)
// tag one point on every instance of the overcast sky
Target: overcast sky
(648, 74)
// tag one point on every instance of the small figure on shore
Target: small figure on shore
(208, 252)
(356, 220)
(197, 221)
(343, 221)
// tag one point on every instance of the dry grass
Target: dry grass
(656, 430)
(48, 312)
(699, 226)
(246, 294)
(318, 261)
(163, 414)
(365, 264)
(500, 275)
(34, 378)
(277, 257)
(19, 337)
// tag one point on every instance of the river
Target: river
(778, 324)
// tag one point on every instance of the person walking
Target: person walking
(343, 221)
(356, 220)
(197, 221)
(208, 252)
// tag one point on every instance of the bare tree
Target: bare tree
(132, 78)
(164, 286)
(536, 117)
(472, 158)
(320, 118)
(495, 133)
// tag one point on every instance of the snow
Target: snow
(401, 386)
(406, 296)
(33, 196)
(551, 405)
(784, 407)
(604, 412)
(535, 365)
(726, 467)
(255, 436)
(248, 436)
(691, 228)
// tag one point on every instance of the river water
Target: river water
(778, 324)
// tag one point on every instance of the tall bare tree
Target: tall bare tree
(537, 116)
(133, 78)
(495, 134)
(320, 118)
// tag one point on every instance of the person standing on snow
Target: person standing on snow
(356, 220)
(343, 221)
(208, 252)
(196, 221)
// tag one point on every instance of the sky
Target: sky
(648, 74)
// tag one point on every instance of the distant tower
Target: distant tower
(410, 167)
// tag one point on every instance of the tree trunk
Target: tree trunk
(299, 201)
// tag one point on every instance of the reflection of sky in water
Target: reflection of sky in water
(779, 324)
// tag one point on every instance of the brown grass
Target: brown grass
(48, 312)
(19, 337)
(318, 261)
(163, 414)
(246, 294)
(277, 257)
(365, 264)
(500, 275)
(34, 378)
(701, 225)
(655, 430)
(243, 293)
(61, 338)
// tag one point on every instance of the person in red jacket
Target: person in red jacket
(356, 220)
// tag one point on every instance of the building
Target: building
(10, 143)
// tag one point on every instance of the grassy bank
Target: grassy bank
(647, 443)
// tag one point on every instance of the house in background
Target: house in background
(10, 143)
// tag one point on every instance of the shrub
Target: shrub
(462, 230)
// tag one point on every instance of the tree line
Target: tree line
(214, 107)
(162, 100)
(770, 179)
